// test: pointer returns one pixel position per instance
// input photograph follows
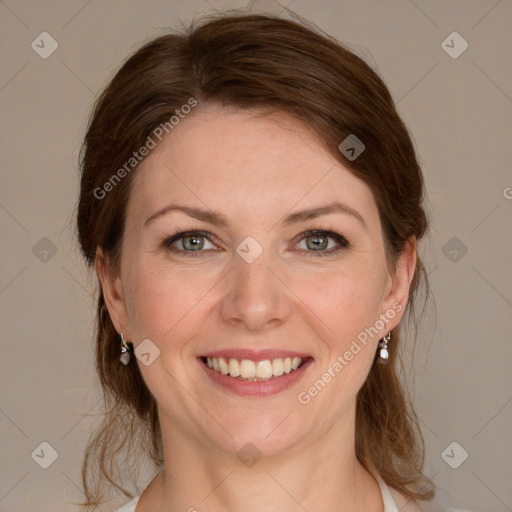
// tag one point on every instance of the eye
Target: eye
(193, 243)
(317, 242)
(188, 242)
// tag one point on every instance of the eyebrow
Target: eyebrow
(218, 219)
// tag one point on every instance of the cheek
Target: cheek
(345, 305)
(160, 301)
(345, 300)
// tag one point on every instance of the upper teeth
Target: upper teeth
(248, 369)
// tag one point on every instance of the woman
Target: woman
(251, 202)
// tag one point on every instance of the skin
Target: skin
(253, 169)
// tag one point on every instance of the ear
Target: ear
(113, 293)
(400, 282)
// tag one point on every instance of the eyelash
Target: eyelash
(342, 241)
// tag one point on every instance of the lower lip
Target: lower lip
(257, 388)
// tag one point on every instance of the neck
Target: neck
(321, 474)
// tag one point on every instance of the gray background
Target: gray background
(459, 112)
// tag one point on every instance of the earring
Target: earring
(383, 345)
(125, 351)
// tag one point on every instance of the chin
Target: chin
(263, 433)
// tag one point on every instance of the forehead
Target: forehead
(245, 161)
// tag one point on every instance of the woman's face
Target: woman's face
(253, 288)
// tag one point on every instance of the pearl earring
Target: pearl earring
(383, 345)
(125, 351)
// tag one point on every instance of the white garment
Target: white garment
(389, 502)
(130, 506)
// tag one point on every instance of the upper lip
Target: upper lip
(255, 355)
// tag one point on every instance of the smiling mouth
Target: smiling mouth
(249, 370)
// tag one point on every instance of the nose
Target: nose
(257, 298)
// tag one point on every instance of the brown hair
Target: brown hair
(251, 62)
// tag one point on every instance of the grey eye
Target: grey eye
(188, 242)
(317, 242)
(193, 242)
